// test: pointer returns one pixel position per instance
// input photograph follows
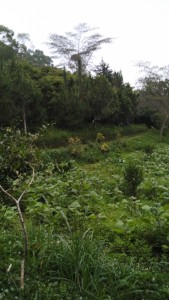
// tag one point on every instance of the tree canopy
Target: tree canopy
(34, 92)
(80, 44)
(154, 94)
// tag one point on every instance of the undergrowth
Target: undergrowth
(97, 220)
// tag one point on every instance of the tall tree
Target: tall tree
(154, 93)
(7, 37)
(127, 99)
(7, 57)
(26, 94)
(76, 48)
(102, 99)
(115, 78)
(104, 69)
(38, 59)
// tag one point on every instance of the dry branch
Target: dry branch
(23, 225)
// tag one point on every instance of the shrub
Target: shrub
(91, 155)
(74, 140)
(100, 137)
(104, 147)
(75, 147)
(133, 176)
(17, 154)
(54, 155)
(148, 149)
(52, 138)
(63, 167)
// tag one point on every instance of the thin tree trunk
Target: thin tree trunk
(24, 117)
(79, 73)
(163, 125)
(65, 78)
(22, 280)
(23, 226)
(24, 231)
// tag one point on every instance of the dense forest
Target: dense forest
(84, 169)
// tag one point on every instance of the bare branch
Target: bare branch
(9, 195)
(23, 225)
(32, 179)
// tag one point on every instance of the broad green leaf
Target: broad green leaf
(74, 205)
(165, 207)
(146, 207)
(101, 216)
(119, 224)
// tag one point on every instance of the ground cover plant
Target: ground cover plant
(96, 229)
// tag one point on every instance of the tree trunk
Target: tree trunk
(65, 78)
(79, 73)
(24, 117)
(163, 125)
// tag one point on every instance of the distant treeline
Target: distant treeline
(34, 92)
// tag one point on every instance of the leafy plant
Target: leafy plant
(104, 147)
(17, 152)
(100, 137)
(133, 176)
(148, 149)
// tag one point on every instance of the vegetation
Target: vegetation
(84, 205)
(96, 221)
(77, 47)
(33, 92)
(154, 96)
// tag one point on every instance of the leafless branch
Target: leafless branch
(23, 225)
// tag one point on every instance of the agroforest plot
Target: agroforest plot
(96, 215)
(84, 197)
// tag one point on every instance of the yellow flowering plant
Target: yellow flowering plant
(104, 147)
(100, 137)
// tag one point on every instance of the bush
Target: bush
(54, 155)
(53, 138)
(148, 149)
(17, 154)
(100, 137)
(133, 176)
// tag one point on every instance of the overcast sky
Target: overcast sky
(140, 28)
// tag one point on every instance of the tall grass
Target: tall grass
(78, 266)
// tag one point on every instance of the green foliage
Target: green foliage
(77, 265)
(100, 137)
(104, 147)
(75, 147)
(34, 92)
(87, 238)
(17, 153)
(133, 176)
(53, 137)
(127, 105)
(37, 58)
(102, 99)
(149, 148)
(115, 78)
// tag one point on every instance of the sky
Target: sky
(139, 28)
